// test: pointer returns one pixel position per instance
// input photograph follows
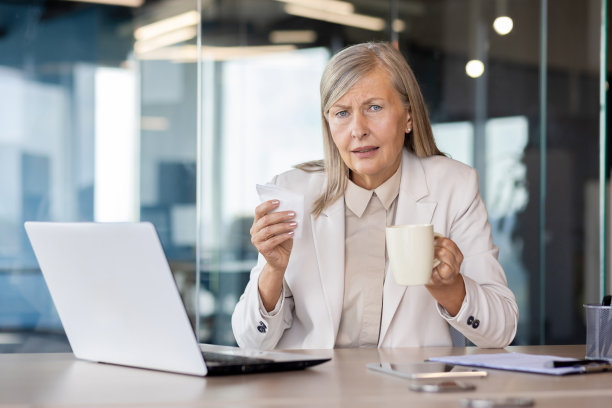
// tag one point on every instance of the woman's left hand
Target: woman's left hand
(446, 284)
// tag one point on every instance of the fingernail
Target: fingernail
(275, 202)
(293, 224)
(291, 214)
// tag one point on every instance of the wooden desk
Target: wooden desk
(61, 381)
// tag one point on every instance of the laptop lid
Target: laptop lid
(119, 304)
(115, 295)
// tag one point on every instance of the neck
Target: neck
(371, 182)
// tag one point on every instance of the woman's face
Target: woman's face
(368, 125)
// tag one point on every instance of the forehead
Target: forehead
(374, 84)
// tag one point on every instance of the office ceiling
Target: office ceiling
(449, 26)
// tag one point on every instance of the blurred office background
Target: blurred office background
(170, 111)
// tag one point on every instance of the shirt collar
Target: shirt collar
(357, 198)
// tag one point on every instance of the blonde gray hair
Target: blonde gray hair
(343, 71)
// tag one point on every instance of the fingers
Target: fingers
(264, 208)
(272, 235)
(450, 257)
(271, 229)
(443, 273)
(265, 218)
(269, 248)
(447, 251)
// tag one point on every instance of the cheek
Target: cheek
(341, 147)
(401, 136)
(338, 137)
(335, 128)
(398, 132)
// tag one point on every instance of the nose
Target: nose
(359, 125)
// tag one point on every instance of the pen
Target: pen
(574, 363)
(586, 366)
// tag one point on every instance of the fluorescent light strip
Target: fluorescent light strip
(225, 53)
(398, 25)
(353, 20)
(189, 53)
(333, 6)
(126, 3)
(293, 36)
(187, 19)
(181, 53)
(175, 37)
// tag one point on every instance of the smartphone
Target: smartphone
(443, 386)
(496, 402)
(426, 371)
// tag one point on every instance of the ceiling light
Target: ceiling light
(353, 20)
(180, 53)
(474, 68)
(398, 25)
(293, 36)
(174, 37)
(332, 6)
(126, 3)
(166, 25)
(225, 53)
(189, 53)
(503, 25)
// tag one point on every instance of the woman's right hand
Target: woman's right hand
(272, 235)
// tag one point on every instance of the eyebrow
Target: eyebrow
(366, 102)
(338, 106)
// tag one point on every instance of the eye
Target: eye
(341, 114)
(375, 108)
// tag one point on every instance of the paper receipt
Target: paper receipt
(289, 201)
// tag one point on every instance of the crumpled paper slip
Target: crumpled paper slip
(289, 201)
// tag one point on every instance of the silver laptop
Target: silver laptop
(119, 304)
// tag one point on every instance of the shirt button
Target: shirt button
(476, 324)
(470, 320)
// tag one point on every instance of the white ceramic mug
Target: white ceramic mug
(411, 253)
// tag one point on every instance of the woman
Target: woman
(331, 288)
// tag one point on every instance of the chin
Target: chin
(366, 172)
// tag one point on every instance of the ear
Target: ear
(408, 127)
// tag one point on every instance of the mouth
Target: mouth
(364, 149)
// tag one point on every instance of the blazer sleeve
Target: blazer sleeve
(489, 314)
(253, 326)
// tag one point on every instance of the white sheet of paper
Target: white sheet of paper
(289, 201)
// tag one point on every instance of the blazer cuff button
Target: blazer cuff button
(262, 327)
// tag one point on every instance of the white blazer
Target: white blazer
(434, 190)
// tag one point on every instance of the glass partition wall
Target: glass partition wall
(170, 111)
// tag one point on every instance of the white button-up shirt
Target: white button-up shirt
(367, 213)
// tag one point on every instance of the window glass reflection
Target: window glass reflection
(102, 121)
(268, 121)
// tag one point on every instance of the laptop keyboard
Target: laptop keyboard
(212, 358)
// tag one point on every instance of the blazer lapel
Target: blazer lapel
(328, 232)
(413, 207)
